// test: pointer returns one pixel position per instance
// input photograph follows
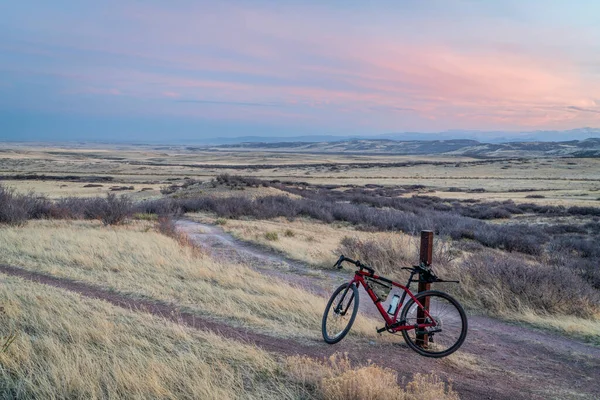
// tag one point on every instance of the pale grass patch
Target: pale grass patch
(337, 379)
(60, 189)
(137, 261)
(73, 347)
(310, 241)
(587, 329)
(466, 361)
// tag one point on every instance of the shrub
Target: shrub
(579, 246)
(503, 284)
(14, 208)
(511, 238)
(165, 206)
(169, 189)
(273, 236)
(289, 233)
(336, 378)
(111, 210)
(220, 221)
(385, 255)
(521, 238)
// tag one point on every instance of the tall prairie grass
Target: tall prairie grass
(140, 262)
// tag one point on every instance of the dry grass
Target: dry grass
(503, 299)
(557, 175)
(72, 347)
(59, 189)
(310, 241)
(140, 262)
(337, 379)
(586, 329)
(68, 346)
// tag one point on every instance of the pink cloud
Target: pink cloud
(314, 66)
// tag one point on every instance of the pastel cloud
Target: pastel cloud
(311, 65)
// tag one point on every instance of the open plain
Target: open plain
(156, 271)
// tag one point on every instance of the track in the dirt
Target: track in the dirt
(517, 362)
(514, 363)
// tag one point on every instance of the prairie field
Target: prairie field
(67, 346)
(565, 181)
(140, 262)
(521, 234)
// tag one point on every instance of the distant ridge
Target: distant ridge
(482, 136)
(456, 147)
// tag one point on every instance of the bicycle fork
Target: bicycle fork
(338, 308)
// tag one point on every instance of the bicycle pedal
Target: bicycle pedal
(381, 330)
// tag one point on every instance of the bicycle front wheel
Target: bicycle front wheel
(451, 324)
(340, 313)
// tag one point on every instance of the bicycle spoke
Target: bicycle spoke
(340, 314)
(447, 332)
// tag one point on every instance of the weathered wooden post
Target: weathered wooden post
(425, 258)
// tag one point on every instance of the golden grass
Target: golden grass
(72, 347)
(310, 241)
(137, 261)
(564, 179)
(470, 295)
(337, 379)
(59, 189)
(580, 328)
(69, 346)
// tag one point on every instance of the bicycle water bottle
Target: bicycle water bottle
(393, 305)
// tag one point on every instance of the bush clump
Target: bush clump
(272, 236)
(16, 209)
(503, 284)
(384, 254)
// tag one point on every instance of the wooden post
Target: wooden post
(425, 258)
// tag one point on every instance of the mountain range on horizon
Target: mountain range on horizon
(587, 148)
(481, 136)
(491, 137)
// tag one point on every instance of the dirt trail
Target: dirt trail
(511, 362)
(521, 362)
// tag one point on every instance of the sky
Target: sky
(187, 70)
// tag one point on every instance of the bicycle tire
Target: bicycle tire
(352, 301)
(441, 304)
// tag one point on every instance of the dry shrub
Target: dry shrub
(337, 379)
(387, 254)
(366, 383)
(383, 254)
(111, 210)
(504, 284)
(13, 210)
(273, 236)
(289, 233)
(16, 209)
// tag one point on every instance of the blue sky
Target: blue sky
(187, 70)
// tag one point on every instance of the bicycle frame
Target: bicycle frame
(391, 323)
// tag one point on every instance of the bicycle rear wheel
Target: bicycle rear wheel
(444, 338)
(340, 313)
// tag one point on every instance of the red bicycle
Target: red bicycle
(432, 323)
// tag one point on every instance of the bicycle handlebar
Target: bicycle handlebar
(424, 271)
(360, 265)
